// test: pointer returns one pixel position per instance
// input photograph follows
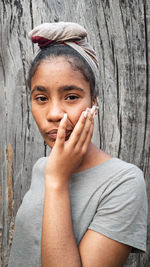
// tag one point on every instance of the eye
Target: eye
(41, 99)
(71, 97)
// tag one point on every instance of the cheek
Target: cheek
(74, 115)
(37, 115)
(34, 111)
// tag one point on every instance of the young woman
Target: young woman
(84, 208)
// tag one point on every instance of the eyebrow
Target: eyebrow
(69, 88)
(39, 89)
(60, 89)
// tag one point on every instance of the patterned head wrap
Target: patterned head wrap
(68, 33)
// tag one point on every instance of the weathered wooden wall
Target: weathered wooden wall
(120, 34)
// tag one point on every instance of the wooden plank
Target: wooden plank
(120, 33)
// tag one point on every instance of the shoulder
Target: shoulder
(122, 165)
(126, 179)
(40, 163)
(122, 210)
(128, 173)
(38, 170)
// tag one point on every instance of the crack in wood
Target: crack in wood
(147, 79)
(32, 21)
(10, 187)
(117, 64)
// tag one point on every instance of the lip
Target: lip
(53, 134)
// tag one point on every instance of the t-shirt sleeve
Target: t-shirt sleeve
(122, 211)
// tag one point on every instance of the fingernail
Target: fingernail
(94, 110)
(65, 116)
(85, 113)
(95, 107)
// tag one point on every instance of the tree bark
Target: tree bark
(120, 33)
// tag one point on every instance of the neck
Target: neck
(94, 156)
(87, 160)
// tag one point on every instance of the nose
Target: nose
(55, 111)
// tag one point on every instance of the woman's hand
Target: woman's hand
(66, 156)
(59, 246)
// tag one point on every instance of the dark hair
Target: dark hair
(78, 62)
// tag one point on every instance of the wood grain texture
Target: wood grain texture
(120, 33)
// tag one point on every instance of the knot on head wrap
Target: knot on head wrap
(69, 33)
(59, 32)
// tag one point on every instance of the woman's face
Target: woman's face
(57, 89)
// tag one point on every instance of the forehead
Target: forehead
(58, 62)
(55, 63)
(58, 70)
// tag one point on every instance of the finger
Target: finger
(86, 133)
(78, 129)
(87, 140)
(61, 134)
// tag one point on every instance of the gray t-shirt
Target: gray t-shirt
(109, 198)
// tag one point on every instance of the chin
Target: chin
(50, 144)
